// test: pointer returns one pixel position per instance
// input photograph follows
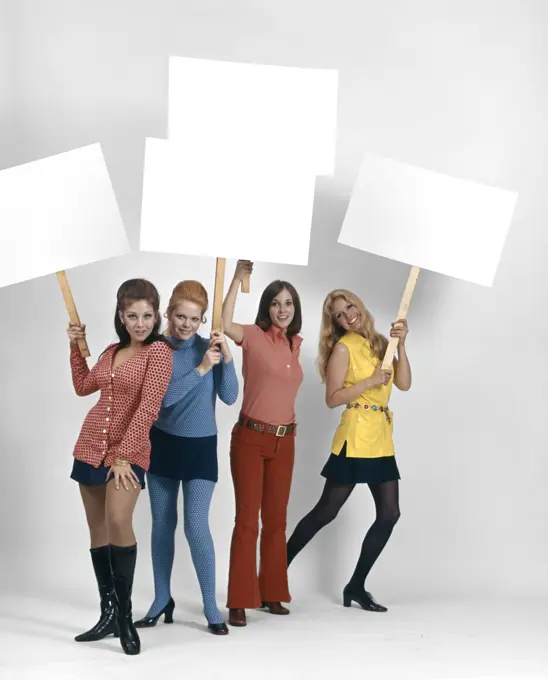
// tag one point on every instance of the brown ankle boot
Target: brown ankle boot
(275, 608)
(236, 617)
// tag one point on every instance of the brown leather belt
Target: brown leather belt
(278, 430)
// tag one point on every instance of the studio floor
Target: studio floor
(465, 639)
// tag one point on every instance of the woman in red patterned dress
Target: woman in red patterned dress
(113, 450)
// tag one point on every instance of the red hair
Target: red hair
(186, 291)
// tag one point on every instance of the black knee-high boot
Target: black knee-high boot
(107, 622)
(123, 560)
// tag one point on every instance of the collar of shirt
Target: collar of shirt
(184, 344)
(277, 335)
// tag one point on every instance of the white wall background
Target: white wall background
(458, 87)
(9, 127)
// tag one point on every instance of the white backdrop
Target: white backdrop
(8, 81)
(457, 87)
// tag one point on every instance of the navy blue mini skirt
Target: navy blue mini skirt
(86, 474)
(342, 470)
(183, 458)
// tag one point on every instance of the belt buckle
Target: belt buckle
(278, 430)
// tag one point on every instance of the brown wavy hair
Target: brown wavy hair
(137, 290)
(331, 332)
(186, 291)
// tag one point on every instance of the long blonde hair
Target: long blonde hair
(186, 291)
(331, 332)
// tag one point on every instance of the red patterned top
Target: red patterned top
(118, 425)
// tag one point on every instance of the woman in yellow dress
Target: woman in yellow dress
(362, 452)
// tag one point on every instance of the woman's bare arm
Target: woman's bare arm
(402, 370)
(234, 331)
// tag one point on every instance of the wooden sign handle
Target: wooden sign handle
(217, 321)
(402, 314)
(245, 284)
(71, 309)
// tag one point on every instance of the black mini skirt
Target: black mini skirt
(183, 458)
(86, 474)
(343, 470)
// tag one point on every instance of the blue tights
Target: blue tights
(197, 493)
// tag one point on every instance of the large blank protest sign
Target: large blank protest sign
(56, 214)
(288, 110)
(431, 221)
(436, 222)
(225, 202)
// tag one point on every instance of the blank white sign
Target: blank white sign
(58, 213)
(224, 202)
(288, 110)
(447, 225)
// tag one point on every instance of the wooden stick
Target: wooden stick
(71, 309)
(245, 284)
(216, 324)
(402, 314)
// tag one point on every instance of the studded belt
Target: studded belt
(382, 409)
(278, 430)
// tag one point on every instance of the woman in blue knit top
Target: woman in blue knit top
(184, 451)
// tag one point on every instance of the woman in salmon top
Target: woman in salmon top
(263, 445)
(362, 452)
(113, 450)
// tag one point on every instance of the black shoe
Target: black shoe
(218, 628)
(151, 621)
(107, 621)
(123, 560)
(363, 598)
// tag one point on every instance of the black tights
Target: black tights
(334, 496)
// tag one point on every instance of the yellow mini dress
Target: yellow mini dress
(362, 451)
